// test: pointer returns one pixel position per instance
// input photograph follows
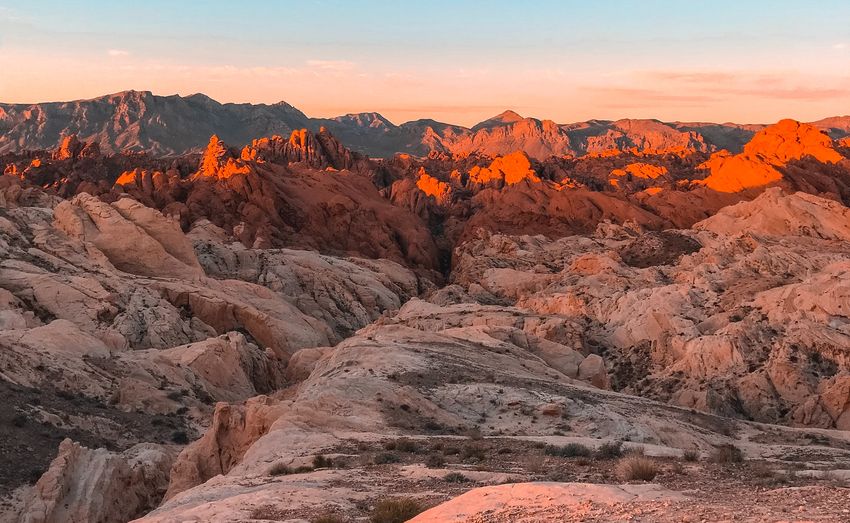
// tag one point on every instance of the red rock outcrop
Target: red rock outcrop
(765, 156)
(503, 170)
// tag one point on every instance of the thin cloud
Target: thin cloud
(622, 95)
(117, 52)
(9, 15)
(698, 77)
(840, 45)
(792, 93)
(331, 65)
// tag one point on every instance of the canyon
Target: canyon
(235, 312)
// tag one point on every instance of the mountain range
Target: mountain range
(162, 126)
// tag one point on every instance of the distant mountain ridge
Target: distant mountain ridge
(140, 121)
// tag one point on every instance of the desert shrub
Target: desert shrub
(267, 512)
(610, 450)
(570, 450)
(321, 462)
(455, 477)
(432, 426)
(583, 462)
(395, 510)
(473, 452)
(280, 469)
(727, 454)
(690, 455)
(451, 451)
(180, 437)
(405, 445)
(435, 461)
(636, 467)
(19, 420)
(385, 457)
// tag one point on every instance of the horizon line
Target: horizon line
(379, 113)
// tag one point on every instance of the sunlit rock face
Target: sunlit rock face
(503, 170)
(766, 154)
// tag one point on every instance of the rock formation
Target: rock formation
(766, 154)
(287, 328)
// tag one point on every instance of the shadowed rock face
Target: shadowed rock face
(140, 121)
(116, 328)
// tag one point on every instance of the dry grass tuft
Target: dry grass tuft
(635, 467)
(690, 455)
(395, 510)
(570, 450)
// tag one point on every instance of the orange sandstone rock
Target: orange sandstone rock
(770, 149)
(504, 170)
(441, 191)
(640, 170)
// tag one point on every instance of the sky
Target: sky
(455, 61)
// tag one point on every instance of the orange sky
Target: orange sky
(565, 61)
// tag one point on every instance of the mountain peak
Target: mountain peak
(368, 119)
(508, 116)
(503, 118)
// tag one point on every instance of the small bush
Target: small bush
(265, 512)
(321, 462)
(473, 452)
(385, 457)
(455, 477)
(405, 445)
(395, 510)
(570, 450)
(727, 454)
(451, 451)
(435, 461)
(19, 420)
(180, 437)
(690, 455)
(637, 468)
(611, 450)
(279, 469)
(432, 426)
